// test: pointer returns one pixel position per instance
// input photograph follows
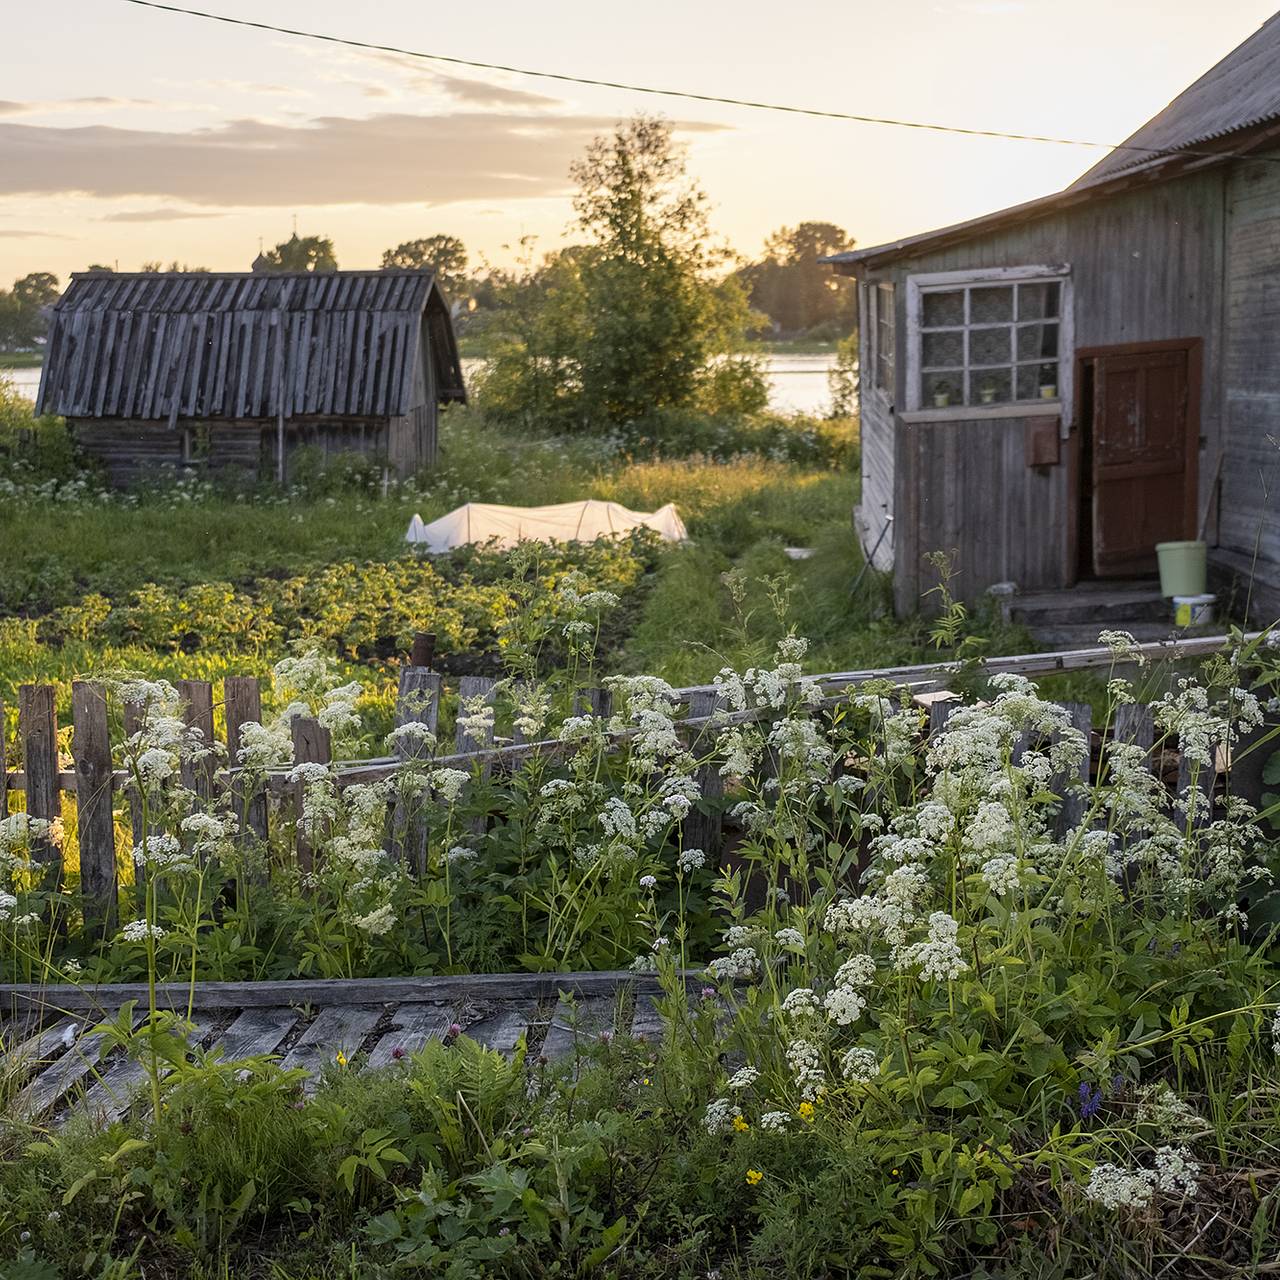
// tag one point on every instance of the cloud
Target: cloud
(251, 86)
(158, 215)
(382, 159)
(15, 234)
(9, 108)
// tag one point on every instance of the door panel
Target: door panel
(1143, 460)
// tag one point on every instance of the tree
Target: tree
(796, 291)
(23, 310)
(175, 265)
(635, 323)
(302, 253)
(445, 255)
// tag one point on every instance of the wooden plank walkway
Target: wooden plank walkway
(48, 1037)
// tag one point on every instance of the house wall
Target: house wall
(876, 445)
(1145, 265)
(1248, 513)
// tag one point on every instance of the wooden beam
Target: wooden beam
(95, 824)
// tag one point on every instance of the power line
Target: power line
(1151, 152)
(617, 84)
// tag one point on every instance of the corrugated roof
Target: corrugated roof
(156, 345)
(1241, 91)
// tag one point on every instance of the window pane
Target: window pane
(1035, 381)
(940, 309)
(944, 350)
(987, 305)
(1038, 301)
(989, 346)
(942, 389)
(1038, 341)
(990, 386)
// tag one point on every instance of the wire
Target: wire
(1150, 152)
(636, 88)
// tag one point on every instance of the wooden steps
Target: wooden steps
(1073, 617)
(63, 1065)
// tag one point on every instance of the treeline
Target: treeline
(786, 290)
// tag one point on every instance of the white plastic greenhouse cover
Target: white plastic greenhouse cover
(565, 522)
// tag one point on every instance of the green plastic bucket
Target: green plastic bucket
(1182, 568)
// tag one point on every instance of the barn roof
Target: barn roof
(1240, 91)
(1235, 100)
(156, 345)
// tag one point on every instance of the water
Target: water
(797, 384)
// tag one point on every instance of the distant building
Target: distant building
(1050, 390)
(237, 370)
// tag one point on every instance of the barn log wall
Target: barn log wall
(1145, 265)
(1248, 511)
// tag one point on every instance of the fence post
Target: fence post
(242, 705)
(38, 727)
(95, 824)
(593, 702)
(472, 687)
(312, 744)
(4, 766)
(417, 700)
(197, 713)
(704, 824)
(1073, 807)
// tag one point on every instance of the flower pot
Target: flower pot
(941, 400)
(987, 397)
(1049, 392)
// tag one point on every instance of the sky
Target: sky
(129, 135)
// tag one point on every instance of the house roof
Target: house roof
(1239, 94)
(156, 345)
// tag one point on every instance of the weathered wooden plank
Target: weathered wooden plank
(1072, 811)
(312, 744)
(242, 705)
(133, 721)
(79, 1061)
(338, 1029)
(577, 1024)
(474, 690)
(501, 1031)
(703, 826)
(95, 824)
(1134, 725)
(4, 763)
(38, 727)
(417, 702)
(39, 1049)
(415, 1022)
(108, 1098)
(647, 1023)
(197, 714)
(258, 1030)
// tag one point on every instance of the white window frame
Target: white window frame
(941, 281)
(869, 331)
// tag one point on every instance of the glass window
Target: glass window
(989, 343)
(882, 336)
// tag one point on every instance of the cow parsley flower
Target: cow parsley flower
(448, 783)
(775, 1121)
(1114, 1187)
(939, 956)
(741, 963)
(859, 1065)
(806, 1068)
(690, 860)
(140, 931)
(743, 1078)
(789, 938)
(844, 1005)
(377, 923)
(800, 1003)
(720, 1115)
(1176, 1172)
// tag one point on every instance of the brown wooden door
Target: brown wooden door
(1145, 434)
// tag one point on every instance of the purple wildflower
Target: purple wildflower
(1090, 1100)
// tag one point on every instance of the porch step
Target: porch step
(1104, 604)
(1084, 635)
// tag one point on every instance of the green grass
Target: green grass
(21, 359)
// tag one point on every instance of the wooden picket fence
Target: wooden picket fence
(96, 783)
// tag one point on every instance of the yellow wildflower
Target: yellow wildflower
(340, 1058)
(805, 1112)
(740, 1124)
(753, 1177)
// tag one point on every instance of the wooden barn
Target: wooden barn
(1050, 390)
(237, 370)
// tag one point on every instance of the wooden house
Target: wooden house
(1050, 390)
(237, 370)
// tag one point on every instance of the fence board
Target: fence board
(312, 744)
(703, 826)
(417, 701)
(1072, 811)
(38, 727)
(473, 687)
(242, 705)
(95, 821)
(197, 713)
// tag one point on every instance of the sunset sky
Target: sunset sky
(127, 134)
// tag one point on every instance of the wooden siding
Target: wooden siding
(132, 451)
(965, 488)
(1145, 265)
(1249, 507)
(875, 433)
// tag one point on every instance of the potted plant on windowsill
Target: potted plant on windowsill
(987, 392)
(942, 395)
(1049, 391)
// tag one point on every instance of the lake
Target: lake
(797, 384)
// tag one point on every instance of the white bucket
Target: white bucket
(1193, 611)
